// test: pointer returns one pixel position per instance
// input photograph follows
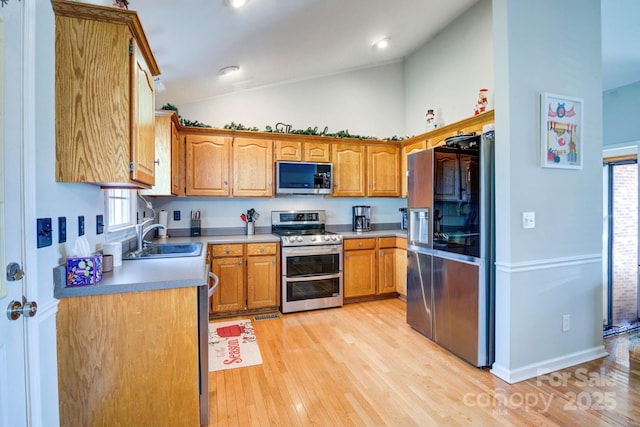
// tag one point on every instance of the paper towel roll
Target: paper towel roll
(114, 249)
(163, 218)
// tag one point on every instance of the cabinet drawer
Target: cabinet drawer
(226, 250)
(355, 244)
(387, 242)
(401, 243)
(261, 248)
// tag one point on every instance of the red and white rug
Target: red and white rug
(232, 344)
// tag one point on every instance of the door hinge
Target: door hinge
(130, 47)
(132, 167)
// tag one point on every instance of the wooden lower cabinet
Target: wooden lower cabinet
(359, 268)
(129, 359)
(249, 277)
(374, 267)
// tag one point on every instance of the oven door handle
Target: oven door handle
(311, 277)
(314, 250)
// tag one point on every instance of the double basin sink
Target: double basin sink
(165, 250)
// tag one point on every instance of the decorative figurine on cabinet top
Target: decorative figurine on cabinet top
(431, 120)
(481, 104)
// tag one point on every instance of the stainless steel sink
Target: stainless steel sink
(165, 250)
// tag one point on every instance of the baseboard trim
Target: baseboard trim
(550, 365)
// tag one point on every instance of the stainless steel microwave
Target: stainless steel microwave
(304, 178)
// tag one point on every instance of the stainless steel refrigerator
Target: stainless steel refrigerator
(450, 273)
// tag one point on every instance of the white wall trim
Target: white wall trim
(545, 264)
(550, 365)
(30, 256)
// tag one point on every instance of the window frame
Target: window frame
(127, 197)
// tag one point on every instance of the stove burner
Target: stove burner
(302, 228)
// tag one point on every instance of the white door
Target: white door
(13, 397)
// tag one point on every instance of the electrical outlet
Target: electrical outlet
(176, 215)
(528, 220)
(566, 322)
(81, 225)
(99, 224)
(62, 229)
(44, 232)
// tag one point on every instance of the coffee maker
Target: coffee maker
(361, 218)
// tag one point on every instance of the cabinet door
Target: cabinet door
(92, 107)
(317, 152)
(401, 271)
(143, 120)
(348, 170)
(288, 150)
(386, 271)
(230, 293)
(359, 273)
(409, 149)
(447, 180)
(262, 289)
(207, 165)
(383, 171)
(177, 161)
(163, 137)
(252, 167)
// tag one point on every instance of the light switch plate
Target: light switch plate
(81, 225)
(528, 220)
(44, 232)
(62, 229)
(99, 224)
(176, 215)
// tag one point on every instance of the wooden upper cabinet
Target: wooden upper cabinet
(252, 167)
(207, 165)
(383, 171)
(317, 152)
(143, 119)
(165, 133)
(348, 170)
(288, 151)
(104, 97)
(178, 181)
(404, 154)
(297, 151)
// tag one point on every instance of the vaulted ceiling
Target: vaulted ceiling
(275, 41)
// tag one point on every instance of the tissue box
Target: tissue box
(82, 271)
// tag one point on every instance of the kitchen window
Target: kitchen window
(120, 208)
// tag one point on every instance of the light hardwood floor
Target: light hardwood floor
(362, 365)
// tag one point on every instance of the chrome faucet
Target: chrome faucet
(141, 232)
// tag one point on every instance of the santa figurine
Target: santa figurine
(431, 120)
(481, 104)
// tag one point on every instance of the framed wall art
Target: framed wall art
(561, 131)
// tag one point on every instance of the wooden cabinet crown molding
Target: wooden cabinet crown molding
(112, 15)
(462, 126)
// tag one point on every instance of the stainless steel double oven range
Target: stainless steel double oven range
(311, 261)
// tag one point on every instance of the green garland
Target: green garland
(284, 129)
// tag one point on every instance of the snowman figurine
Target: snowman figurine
(431, 120)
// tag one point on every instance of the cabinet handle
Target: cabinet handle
(346, 255)
(360, 243)
(381, 253)
(227, 250)
(239, 263)
(273, 261)
(157, 162)
(261, 248)
(226, 182)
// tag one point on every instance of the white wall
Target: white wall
(225, 213)
(621, 112)
(52, 200)
(554, 269)
(446, 73)
(366, 102)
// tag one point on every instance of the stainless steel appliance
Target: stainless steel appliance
(304, 178)
(450, 248)
(311, 261)
(361, 218)
(403, 218)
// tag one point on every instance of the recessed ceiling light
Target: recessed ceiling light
(228, 70)
(235, 3)
(382, 43)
